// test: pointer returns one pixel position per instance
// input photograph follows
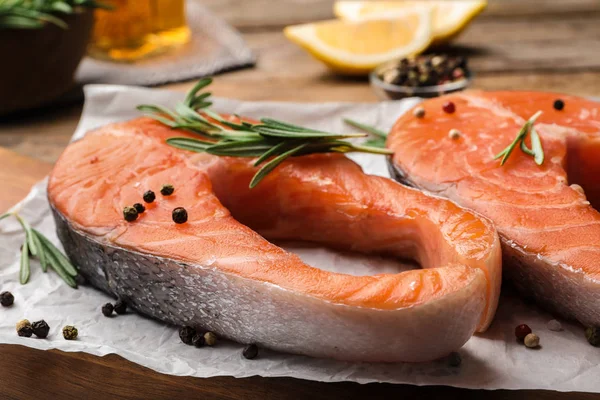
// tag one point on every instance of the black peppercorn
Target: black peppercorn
(130, 214)
(198, 340)
(250, 352)
(167, 190)
(186, 334)
(70, 332)
(24, 328)
(139, 207)
(180, 215)
(40, 329)
(149, 196)
(559, 104)
(107, 309)
(120, 307)
(7, 299)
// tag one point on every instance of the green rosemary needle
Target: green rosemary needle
(536, 151)
(271, 141)
(29, 14)
(38, 245)
(380, 136)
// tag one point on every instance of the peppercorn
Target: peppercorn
(186, 334)
(454, 134)
(70, 332)
(7, 299)
(210, 338)
(149, 196)
(554, 325)
(521, 331)
(250, 352)
(592, 334)
(198, 340)
(40, 329)
(107, 309)
(24, 328)
(449, 107)
(559, 104)
(419, 112)
(120, 307)
(139, 207)
(180, 215)
(167, 190)
(454, 359)
(130, 214)
(532, 340)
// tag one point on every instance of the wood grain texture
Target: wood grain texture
(55, 374)
(17, 174)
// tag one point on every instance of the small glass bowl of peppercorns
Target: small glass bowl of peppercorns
(424, 76)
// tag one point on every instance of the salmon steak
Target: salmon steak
(545, 215)
(215, 272)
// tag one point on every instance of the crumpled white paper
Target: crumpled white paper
(494, 360)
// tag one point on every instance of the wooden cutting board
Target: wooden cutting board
(26, 373)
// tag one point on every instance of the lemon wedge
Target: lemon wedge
(356, 47)
(449, 17)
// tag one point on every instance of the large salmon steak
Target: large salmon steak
(545, 215)
(217, 273)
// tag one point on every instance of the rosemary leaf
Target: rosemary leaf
(41, 254)
(271, 165)
(191, 96)
(194, 145)
(249, 148)
(5, 215)
(268, 131)
(25, 271)
(271, 152)
(378, 142)
(31, 244)
(55, 254)
(367, 128)
(536, 145)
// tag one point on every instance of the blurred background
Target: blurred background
(549, 45)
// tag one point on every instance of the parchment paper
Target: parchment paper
(494, 360)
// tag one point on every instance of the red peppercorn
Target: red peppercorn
(521, 331)
(449, 107)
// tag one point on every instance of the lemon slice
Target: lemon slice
(356, 47)
(449, 17)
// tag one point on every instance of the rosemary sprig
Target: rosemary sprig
(380, 136)
(270, 140)
(34, 14)
(536, 151)
(38, 245)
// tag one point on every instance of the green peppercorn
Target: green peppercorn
(167, 190)
(186, 334)
(130, 214)
(40, 329)
(180, 215)
(107, 309)
(70, 332)
(592, 334)
(120, 307)
(250, 352)
(24, 328)
(210, 338)
(149, 196)
(198, 340)
(7, 299)
(139, 207)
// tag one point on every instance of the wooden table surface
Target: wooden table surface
(539, 45)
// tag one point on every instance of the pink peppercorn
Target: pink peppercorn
(449, 107)
(521, 331)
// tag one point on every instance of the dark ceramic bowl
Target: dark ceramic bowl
(389, 91)
(38, 65)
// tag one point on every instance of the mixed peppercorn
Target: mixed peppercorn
(179, 214)
(120, 307)
(193, 337)
(7, 299)
(425, 70)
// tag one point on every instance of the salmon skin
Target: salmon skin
(550, 231)
(217, 274)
